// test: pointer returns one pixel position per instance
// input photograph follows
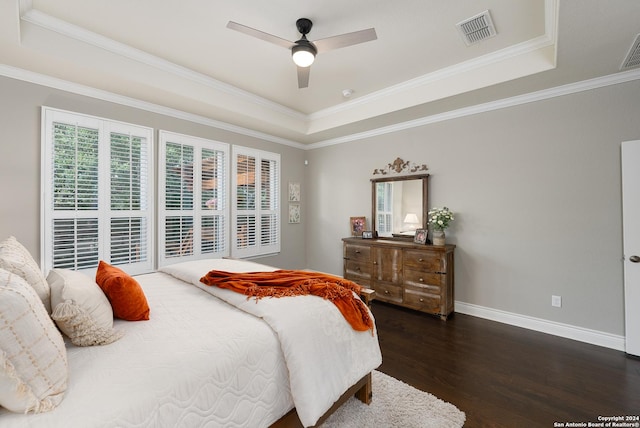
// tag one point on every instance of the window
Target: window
(97, 193)
(384, 208)
(193, 209)
(98, 187)
(256, 202)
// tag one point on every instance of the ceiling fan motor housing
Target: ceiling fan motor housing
(304, 26)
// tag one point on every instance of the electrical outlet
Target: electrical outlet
(556, 301)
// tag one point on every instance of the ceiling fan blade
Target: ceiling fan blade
(344, 40)
(260, 35)
(303, 77)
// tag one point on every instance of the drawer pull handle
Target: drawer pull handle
(421, 300)
(357, 251)
(421, 280)
(420, 260)
(375, 263)
(386, 291)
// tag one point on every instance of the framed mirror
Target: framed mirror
(399, 205)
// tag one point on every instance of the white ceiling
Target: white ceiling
(180, 55)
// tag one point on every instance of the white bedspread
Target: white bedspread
(197, 362)
(324, 355)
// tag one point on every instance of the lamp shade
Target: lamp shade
(411, 218)
(303, 53)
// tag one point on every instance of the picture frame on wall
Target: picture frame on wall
(358, 225)
(294, 213)
(420, 237)
(294, 192)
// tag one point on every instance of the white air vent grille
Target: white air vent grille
(633, 57)
(477, 28)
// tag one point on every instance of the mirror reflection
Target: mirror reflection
(399, 206)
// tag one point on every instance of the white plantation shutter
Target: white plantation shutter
(214, 201)
(96, 186)
(269, 213)
(129, 188)
(245, 201)
(193, 208)
(73, 195)
(256, 202)
(384, 208)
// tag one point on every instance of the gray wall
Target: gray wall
(20, 104)
(536, 189)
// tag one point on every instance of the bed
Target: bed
(211, 357)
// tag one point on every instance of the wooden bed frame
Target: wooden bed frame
(361, 390)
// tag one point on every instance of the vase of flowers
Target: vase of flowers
(439, 219)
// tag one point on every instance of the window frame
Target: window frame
(103, 211)
(197, 211)
(258, 248)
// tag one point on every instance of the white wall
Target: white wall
(536, 190)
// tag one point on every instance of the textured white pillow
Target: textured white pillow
(15, 258)
(81, 309)
(33, 358)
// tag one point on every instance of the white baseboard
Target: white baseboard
(593, 337)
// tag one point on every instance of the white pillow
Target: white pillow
(81, 309)
(33, 358)
(15, 258)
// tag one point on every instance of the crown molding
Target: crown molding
(442, 74)
(547, 39)
(40, 19)
(67, 29)
(64, 85)
(571, 88)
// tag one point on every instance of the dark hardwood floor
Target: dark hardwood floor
(505, 376)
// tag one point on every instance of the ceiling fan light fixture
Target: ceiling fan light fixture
(303, 53)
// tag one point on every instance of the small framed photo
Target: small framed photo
(358, 225)
(294, 192)
(420, 237)
(294, 213)
(367, 234)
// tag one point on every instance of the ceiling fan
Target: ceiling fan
(303, 51)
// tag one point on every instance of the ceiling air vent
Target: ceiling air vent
(633, 57)
(477, 28)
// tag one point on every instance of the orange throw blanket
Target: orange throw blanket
(284, 283)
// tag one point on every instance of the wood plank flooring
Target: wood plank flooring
(505, 376)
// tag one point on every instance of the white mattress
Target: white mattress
(197, 362)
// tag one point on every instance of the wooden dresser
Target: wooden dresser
(403, 273)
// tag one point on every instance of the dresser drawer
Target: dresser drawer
(423, 260)
(360, 281)
(357, 253)
(428, 280)
(388, 292)
(422, 301)
(356, 269)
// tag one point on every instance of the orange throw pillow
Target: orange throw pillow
(124, 293)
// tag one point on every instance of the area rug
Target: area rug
(396, 404)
